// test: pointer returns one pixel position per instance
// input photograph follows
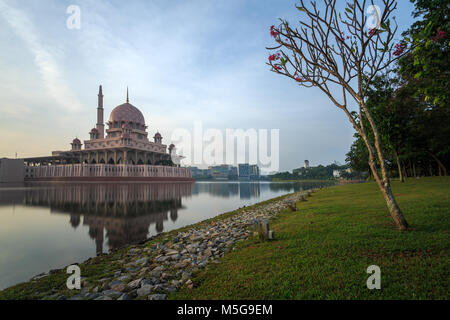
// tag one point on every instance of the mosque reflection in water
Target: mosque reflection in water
(119, 214)
(122, 213)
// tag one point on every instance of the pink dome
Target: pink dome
(94, 130)
(127, 112)
(171, 146)
(76, 141)
(157, 135)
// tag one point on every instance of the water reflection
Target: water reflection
(46, 226)
(122, 213)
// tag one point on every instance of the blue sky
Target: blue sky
(182, 60)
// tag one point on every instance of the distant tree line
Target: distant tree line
(316, 173)
(410, 103)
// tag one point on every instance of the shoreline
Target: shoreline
(162, 264)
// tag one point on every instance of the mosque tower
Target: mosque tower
(100, 123)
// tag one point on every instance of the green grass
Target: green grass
(320, 252)
(323, 250)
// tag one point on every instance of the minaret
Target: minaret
(100, 124)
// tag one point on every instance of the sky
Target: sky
(183, 61)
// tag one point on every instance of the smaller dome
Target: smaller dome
(76, 141)
(171, 146)
(94, 130)
(157, 135)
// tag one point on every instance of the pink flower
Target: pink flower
(399, 49)
(441, 34)
(277, 67)
(274, 33)
(274, 57)
(372, 31)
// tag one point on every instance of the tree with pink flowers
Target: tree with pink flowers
(341, 53)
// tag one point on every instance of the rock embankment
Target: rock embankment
(152, 272)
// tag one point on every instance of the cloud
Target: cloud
(44, 60)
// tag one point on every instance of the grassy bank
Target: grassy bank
(323, 250)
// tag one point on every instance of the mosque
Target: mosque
(122, 151)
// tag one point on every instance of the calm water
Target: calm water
(45, 227)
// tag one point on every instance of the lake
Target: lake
(50, 226)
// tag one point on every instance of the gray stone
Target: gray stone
(162, 258)
(112, 293)
(186, 275)
(147, 281)
(115, 283)
(93, 296)
(171, 252)
(133, 251)
(125, 296)
(207, 252)
(103, 298)
(145, 290)
(124, 278)
(157, 297)
(134, 284)
(119, 287)
(141, 262)
(156, 273)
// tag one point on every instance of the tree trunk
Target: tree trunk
(440, 164)
(405, 175)
(393, 207)
(384, 184)
(410, 169)
(399, 165)
(391, 203)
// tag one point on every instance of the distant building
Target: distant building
(248, 172)
(220, 172)
(200, 173)
(254, 172)
(306, 164)
(336, 173)
(244, 171)
(233, 174)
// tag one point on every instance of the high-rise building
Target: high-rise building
(233, 173)
(306, 164)
(244, 171)
(254, 172)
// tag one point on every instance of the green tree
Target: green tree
(428, 63)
